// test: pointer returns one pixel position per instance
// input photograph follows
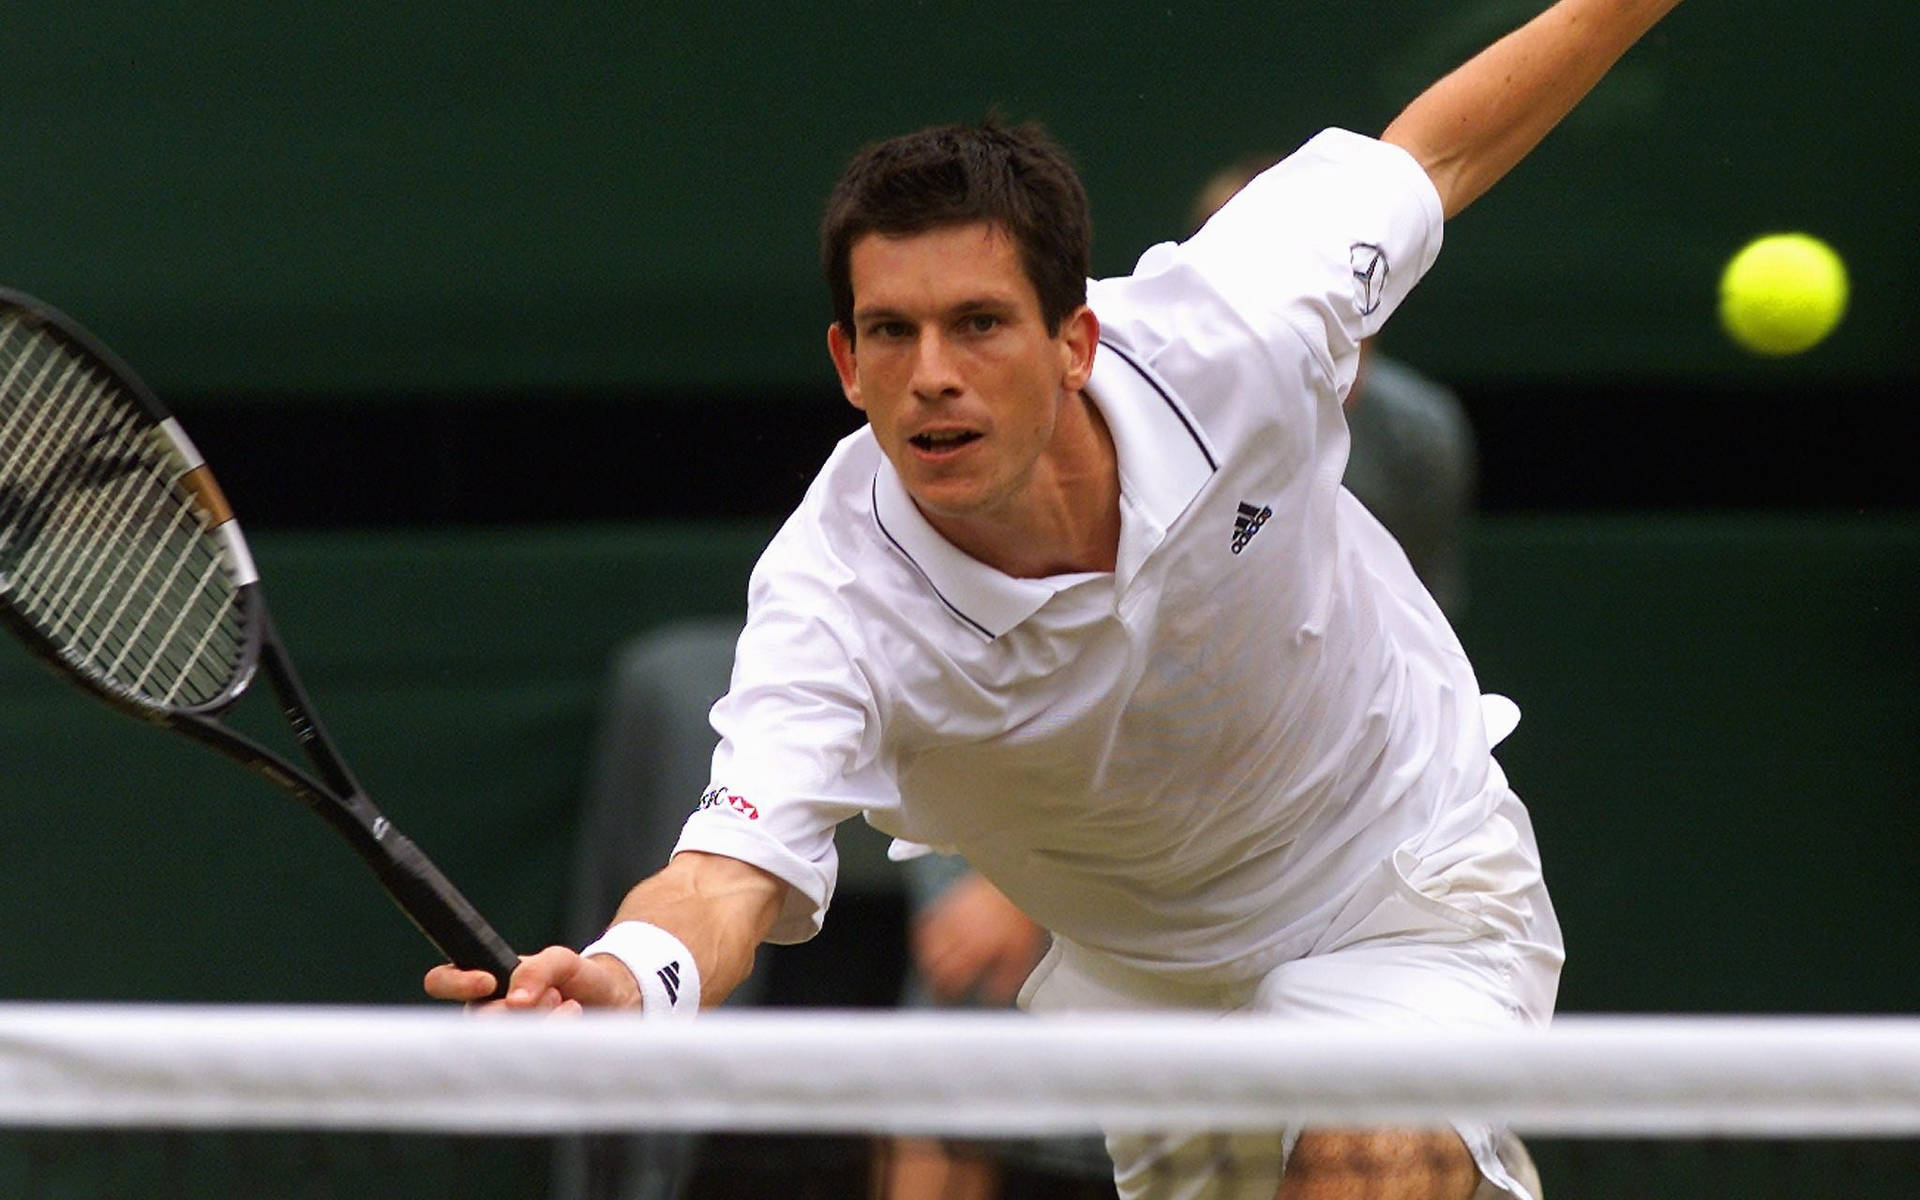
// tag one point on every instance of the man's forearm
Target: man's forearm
(1473, 126)
(721, 908)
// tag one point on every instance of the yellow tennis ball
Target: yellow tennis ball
(1783, 293)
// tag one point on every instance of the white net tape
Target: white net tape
(437, 1070)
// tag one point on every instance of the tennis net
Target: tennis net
(133, 1100)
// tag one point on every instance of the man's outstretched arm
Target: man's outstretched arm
(719, 910)
(1474, 125)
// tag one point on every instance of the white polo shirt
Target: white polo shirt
(1185, 764)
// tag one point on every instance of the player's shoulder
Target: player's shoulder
(1215, 354)
(845, 476)
(828, 557)
(836, 506)
(831, 594)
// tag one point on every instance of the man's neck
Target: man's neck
(1069, 520)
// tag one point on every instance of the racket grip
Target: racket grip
(448, 919)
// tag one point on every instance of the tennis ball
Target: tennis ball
(1783, 293)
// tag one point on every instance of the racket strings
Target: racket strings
(61, 469)
(29, 446)
(44, 460)
(136, 545)
(99, 545)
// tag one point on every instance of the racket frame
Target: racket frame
(420, 889)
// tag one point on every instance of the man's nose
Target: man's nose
(935, 369)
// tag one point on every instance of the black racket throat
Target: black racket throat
(335, 795)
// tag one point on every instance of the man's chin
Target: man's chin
(950, 499)
(952, 503)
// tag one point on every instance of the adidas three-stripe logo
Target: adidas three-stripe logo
(669, 977)
(1246, 523)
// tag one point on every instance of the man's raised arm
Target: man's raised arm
(1470, 128)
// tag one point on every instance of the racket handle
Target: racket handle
(441, 912)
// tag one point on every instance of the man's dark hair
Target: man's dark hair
(1013, 177)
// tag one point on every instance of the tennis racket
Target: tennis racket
(121, 565)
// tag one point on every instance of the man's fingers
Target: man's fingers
(555, 980)
(448, 982)
(539, 974)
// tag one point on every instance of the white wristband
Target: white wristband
(661, 964)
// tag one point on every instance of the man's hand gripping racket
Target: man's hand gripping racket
(121, 565)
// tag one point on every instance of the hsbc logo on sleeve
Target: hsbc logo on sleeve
(721, 798)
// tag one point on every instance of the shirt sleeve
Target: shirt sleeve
(1323, 246)
(797, 745)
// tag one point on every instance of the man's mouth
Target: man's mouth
(942, 440)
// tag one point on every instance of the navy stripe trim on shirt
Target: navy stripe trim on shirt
(1169, 400)
(931, 586)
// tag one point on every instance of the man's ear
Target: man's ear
(1079, 338)
(840, 348)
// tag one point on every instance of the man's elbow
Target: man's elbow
(1446, 169)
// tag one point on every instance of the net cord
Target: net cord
(980, 1075)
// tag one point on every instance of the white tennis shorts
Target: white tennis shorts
(1465, 937)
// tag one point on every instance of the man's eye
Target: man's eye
(888, 329)
(983, 322)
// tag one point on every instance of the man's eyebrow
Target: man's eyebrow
(985, 301)
(994, 301)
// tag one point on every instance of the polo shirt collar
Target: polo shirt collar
(1164, 462)
(990, 601)
(1164, 458)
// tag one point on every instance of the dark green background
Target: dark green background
(257, 199)
(1718, 748)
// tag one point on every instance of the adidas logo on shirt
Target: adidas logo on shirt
(1246, 523)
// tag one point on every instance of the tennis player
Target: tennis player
(1411, 463)
(1086, 603)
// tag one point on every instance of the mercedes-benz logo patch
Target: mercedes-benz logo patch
(1369, 276)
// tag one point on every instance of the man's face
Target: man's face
(954, 367)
